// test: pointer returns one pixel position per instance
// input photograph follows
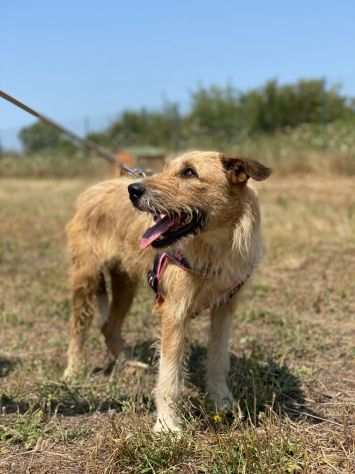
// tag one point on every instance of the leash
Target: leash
(102, 152)
(162, 260)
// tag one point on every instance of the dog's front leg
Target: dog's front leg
(170, 378)
(218, 358)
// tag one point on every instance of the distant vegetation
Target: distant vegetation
(218, 116)
(280, 121)
(40, 137)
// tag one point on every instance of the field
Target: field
(293, 349)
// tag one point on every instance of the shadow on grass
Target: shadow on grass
(258, 383)
(6, 366)
(146, 351)
(67, 400)
(83, 398)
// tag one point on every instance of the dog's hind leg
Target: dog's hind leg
(84, 305)
(218, 358)
(123, 291)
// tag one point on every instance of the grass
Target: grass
(56, 165)
(293, 349)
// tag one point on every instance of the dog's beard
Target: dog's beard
(168, 229)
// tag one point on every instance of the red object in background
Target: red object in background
(125, 158)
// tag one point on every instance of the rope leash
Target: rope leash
(102, 152)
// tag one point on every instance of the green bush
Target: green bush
(275, 107)
(41, 137)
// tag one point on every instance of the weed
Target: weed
(26, 429)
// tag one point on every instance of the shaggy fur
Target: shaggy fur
(104, 237)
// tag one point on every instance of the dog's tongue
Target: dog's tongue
(153, 233)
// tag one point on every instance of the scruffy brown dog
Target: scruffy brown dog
(194, 229)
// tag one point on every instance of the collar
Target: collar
(162, 260)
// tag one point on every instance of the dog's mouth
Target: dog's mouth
(169, 228)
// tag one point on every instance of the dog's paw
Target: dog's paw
(221, 397)
(71, 374)
(167, 425)
(107, 368)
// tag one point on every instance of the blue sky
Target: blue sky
(77, 59)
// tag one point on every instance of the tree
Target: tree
(274, 107)
(157, 128)
(41, 137)
(216, 112)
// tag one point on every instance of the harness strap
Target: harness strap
(160, 263)
(162, 260)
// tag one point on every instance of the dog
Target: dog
(194, 229)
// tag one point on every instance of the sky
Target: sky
(83, 62)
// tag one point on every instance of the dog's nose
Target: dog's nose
(136, 190)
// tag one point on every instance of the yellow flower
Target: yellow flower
(217, 418)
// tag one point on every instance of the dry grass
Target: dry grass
(325, 150)
(293, 350)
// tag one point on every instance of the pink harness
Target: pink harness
(162, 260)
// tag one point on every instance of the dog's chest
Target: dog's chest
(204, 283)
(220, 284)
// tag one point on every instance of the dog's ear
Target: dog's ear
(239, 170)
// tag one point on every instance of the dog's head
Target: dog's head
(195, 192)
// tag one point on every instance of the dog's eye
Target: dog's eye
(188, 173)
